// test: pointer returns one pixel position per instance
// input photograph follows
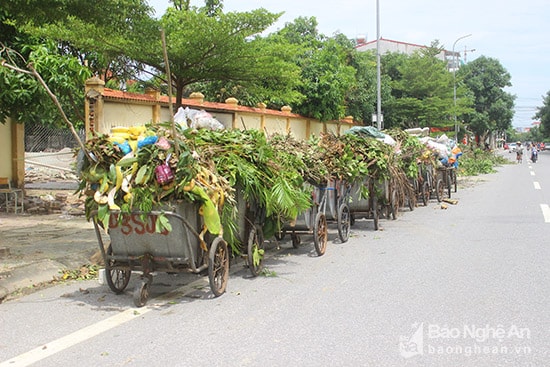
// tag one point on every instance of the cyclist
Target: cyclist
(519, 152)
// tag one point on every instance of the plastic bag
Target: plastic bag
(163, 172)
(204, 120)
(181, 117)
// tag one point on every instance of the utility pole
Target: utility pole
(455, 66)
(378, 82)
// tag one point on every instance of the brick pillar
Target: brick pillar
(93, 106)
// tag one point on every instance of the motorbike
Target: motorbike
(534, 156)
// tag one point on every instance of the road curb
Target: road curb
(29, 275)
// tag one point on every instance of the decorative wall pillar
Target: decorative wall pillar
(93, 106)
(18, 154)
(155, 113)
(234, 102)
(287, 109)
(262, 106)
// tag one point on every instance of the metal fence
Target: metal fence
(40, 138)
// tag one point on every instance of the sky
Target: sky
(516, 33)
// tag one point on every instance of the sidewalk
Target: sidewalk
(35, 249)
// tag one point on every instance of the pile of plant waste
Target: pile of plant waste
(143, 168)
(269, 175)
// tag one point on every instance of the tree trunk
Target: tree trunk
(179, 93)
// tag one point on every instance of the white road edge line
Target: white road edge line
(545, 212)
(537, 185)
(89, 332)
(532, 173)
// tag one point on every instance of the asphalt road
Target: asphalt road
(462, 286)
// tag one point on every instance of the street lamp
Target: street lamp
(455, 64)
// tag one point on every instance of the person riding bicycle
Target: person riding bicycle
(519, 152)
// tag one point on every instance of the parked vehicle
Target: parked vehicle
(511, 147)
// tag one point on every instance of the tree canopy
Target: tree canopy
(543, 114)
(229, 55)
(486, 78)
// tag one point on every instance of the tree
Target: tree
(278, 84)
(325, 76)
(543, 114)
(21, 96)
(123, 39)
(422, 88)
(486, 78)
(103, 37)
(204, 48)
(361, 98)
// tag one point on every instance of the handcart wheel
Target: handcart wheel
(320, 234)
(344, 222)
(141, 293)
(117, 279)
(449, 184)
(439, 190)
(394, 205)
(218, 266)
(412, 202)
(425, 193)
(255, 250)
(375, 213)
(412, 196)
(296, 240)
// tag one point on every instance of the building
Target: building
(387, 46)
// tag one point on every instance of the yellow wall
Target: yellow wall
(12, 152)
(127, 114)
(5, 149)
(116, 108)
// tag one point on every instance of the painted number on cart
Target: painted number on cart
(134, 224)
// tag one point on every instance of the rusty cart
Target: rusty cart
(446, 176)
(338, 194)
(138, 244)
(312, 221)
(250, 220)
(381, 200)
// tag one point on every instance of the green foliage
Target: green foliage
(225, 55)
(276, 82)
(203, 48)
(543, 114)
(422, 87)
(85, 272)
(23, 98)
(475, 161)
(361, 98)
(326, 80)
(486, 78)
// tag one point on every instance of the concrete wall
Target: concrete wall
(106, 108)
